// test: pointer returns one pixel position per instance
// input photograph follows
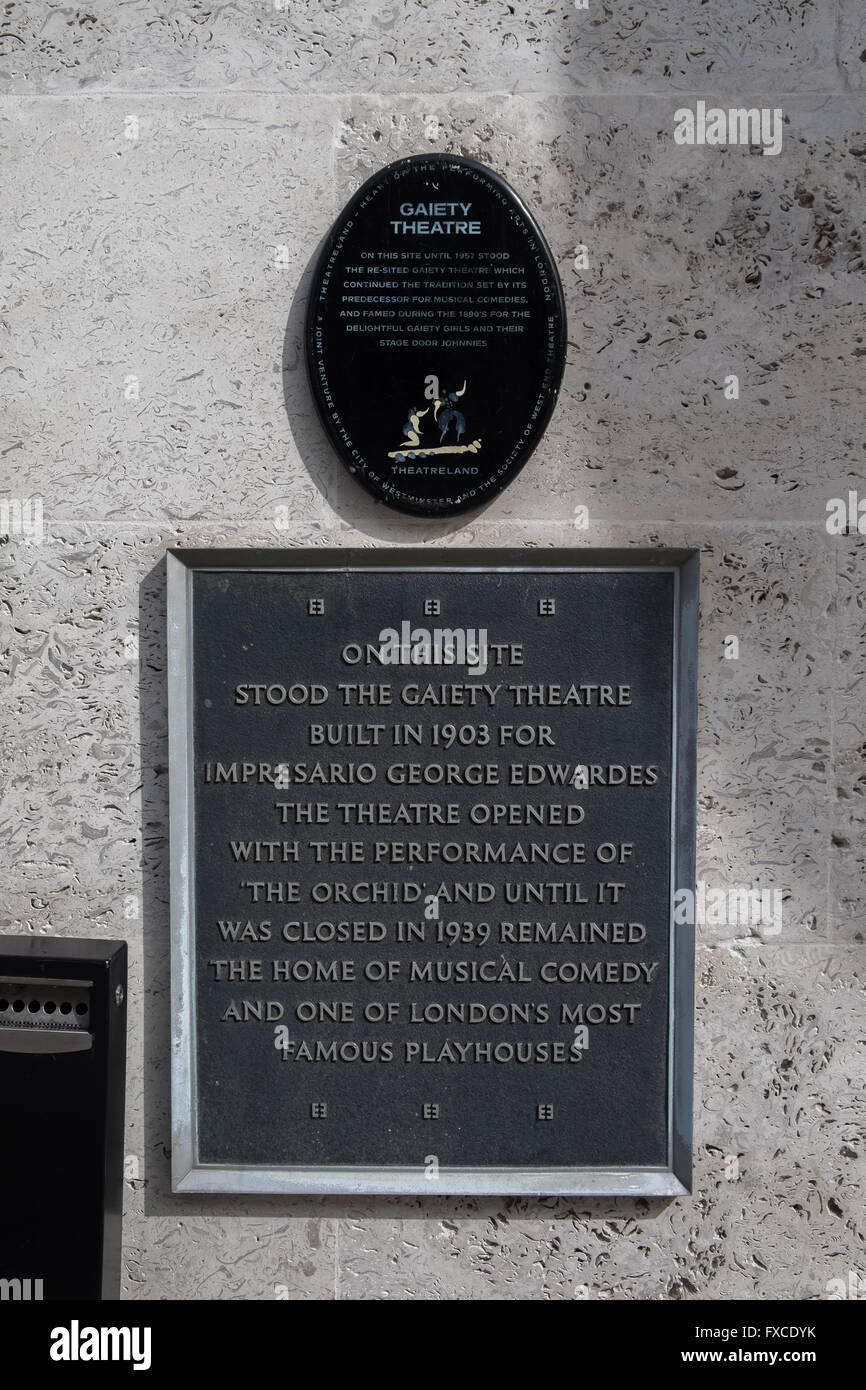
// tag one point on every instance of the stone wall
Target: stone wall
(155, 160)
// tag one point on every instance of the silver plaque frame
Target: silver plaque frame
(190, 1175)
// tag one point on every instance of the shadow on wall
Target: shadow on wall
(352, 503)
(360, 512)
(156, 985)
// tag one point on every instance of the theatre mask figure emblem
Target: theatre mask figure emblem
(448, 424)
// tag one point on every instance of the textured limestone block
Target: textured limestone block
(147, 321)
(780, 46)
(159, 372)
(777, 1206)
(847, 853)
(215, 1255)
(851, 43)
(766, 756)
(779, 1136)
(704, 265)
(450, 45)
(350, 45)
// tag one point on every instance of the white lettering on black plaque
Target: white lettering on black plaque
(435, 334)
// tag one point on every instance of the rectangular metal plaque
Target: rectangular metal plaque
(430, 810)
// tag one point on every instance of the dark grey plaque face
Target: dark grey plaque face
(428, 820)
(435, 334)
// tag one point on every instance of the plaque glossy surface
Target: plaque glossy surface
(429, 812)
(435, 334)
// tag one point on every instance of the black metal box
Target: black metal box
(62, 1079)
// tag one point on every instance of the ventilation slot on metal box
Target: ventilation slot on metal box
(44, 1015)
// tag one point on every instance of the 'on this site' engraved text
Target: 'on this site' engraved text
(432, 822)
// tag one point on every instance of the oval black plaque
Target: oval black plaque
(435, 334)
